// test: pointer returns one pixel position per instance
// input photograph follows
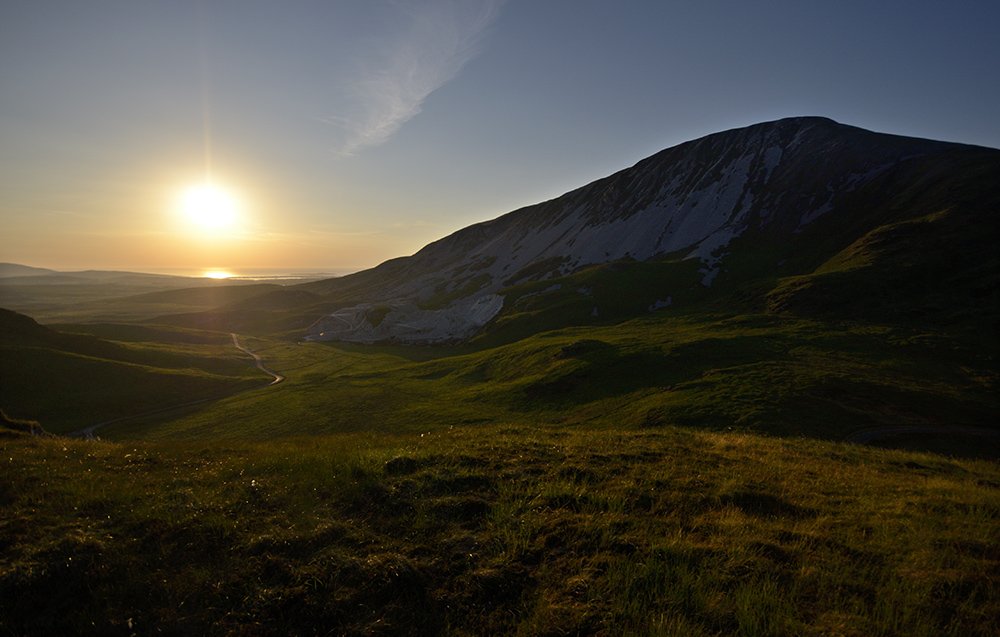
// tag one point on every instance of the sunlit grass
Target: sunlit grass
(498, 529)
(771, 374)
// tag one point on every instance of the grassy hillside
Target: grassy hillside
(496, 530)
(939, 269)
(623, 450)
(755, 372)
(69, 381)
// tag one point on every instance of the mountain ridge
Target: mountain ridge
(689, 201)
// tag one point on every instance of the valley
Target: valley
(622, 411)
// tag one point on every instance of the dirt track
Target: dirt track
(260, 364)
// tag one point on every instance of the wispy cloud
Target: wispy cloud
(392, 81)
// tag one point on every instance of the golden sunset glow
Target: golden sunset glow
(218, 274)
(209, 206)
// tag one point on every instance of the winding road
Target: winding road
(260, 364)
(276, 378)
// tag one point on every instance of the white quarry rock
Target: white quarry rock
(659, 305)
(404, 322)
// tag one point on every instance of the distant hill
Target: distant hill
(27, 275)
(67, 381)
(13, 269)
(111, 295)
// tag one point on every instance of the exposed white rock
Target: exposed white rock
(403, 322)
(659, 305)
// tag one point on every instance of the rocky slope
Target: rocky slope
(689, 202)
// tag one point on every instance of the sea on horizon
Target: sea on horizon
(256, 274)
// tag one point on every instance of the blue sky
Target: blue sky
(353, 131)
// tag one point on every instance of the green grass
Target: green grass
(496, 530)
(68, 381)
(771, 374)
(566, 472)
(140, 333)
(938, 269)
(619, 291)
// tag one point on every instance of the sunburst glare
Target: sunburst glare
(209, 206)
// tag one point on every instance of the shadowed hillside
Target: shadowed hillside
(67, 381)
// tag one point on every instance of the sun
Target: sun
(209, 206)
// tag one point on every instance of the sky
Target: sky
(341, 133)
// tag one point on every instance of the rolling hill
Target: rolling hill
(113, 296)
(71, 380)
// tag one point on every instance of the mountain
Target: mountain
(691, 223)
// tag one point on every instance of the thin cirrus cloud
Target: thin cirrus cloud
(393, 79)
